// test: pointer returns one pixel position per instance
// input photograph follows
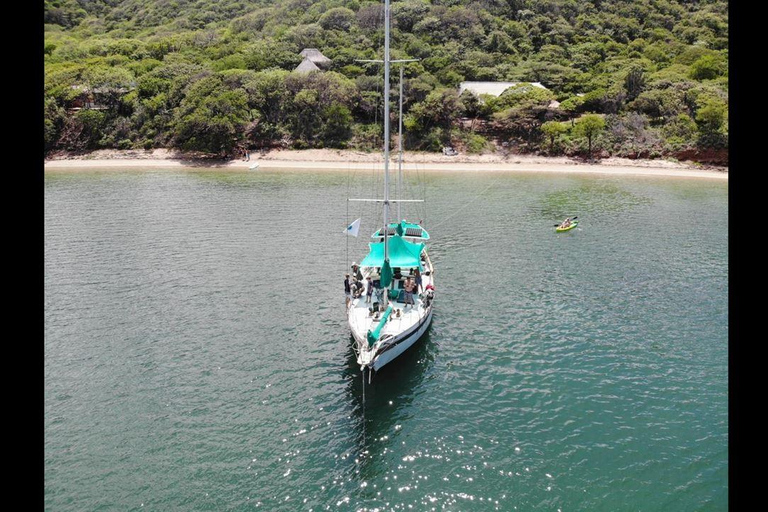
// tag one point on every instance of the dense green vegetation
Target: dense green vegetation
(213, 75)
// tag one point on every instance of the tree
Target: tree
(470, 103)
(524, 96)
(338, 18)
(370, 16)
(267, 94)
(553, 129)
(711, 115)
(634, 82)
(680, 130)
(660, 104)
(336, 126)
(317, 108)
(54, 119)
(520, 123)
(499, 41)
(108, 84)
(407, 14)
(84, 129)
(708, 67)
(433, 115)
(268, 54)
(66, 13)
(211, 117)
(589, 126)
(712, 122)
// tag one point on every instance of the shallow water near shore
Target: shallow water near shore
(197, 356)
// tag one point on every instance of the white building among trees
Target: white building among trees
(492, 88)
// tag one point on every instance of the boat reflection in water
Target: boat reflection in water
(378, 411)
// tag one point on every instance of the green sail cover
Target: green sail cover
(373, 336)
(386, 274)
(401, 254)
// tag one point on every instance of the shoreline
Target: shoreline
(331, 159)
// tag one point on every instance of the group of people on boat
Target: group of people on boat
(355, 286)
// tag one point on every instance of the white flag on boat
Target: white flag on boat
(353, 228)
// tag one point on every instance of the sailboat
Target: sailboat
(389, 324)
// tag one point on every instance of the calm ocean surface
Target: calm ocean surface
(197, 355)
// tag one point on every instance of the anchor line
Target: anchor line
(458, 210)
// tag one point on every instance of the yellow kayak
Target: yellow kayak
(561, 229)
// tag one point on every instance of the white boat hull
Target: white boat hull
(402, 345)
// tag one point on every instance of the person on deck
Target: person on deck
(429, 294)
(356, 271)
(417, 278)
(357, 288)
(369, 291)
(347, 289)
(376, 277)
(408, 287)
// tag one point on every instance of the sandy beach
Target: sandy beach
(316, 159)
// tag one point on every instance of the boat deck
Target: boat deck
(361, 319)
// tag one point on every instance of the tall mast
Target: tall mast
(386, 129)
(387, 62)
(400, 149)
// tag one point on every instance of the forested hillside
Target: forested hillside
(638, 78)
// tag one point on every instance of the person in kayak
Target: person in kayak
(566, 223)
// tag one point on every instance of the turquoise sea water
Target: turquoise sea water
(197, 356)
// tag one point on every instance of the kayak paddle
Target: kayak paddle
(574, 218)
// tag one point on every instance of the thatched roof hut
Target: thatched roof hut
(306, 66)
(316, 57)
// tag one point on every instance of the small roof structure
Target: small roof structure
(315, 56)
(493, 88)
(306, 66)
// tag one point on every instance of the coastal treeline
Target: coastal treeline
(637, 78)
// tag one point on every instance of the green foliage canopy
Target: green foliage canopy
(160, 70)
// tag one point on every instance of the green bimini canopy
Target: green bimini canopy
(401, 254)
